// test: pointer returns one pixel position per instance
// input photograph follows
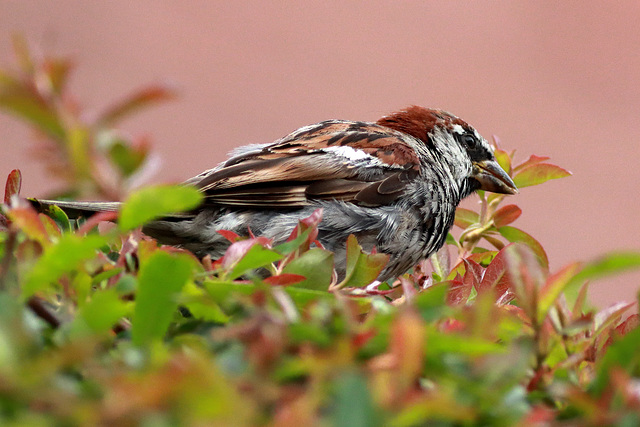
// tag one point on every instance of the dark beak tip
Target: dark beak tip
(493, 178)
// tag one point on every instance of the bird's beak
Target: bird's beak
(493, 178)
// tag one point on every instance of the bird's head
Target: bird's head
(454, 143)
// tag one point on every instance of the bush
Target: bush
(101, 325)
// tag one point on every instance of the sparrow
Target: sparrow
(394, 184)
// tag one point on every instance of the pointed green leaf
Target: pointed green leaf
(256, 257)
(555, 285)
(155, 202)
(604, 266)
(160, 280)
(362, 269)
(515, 235)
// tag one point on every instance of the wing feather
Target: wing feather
(356, 162)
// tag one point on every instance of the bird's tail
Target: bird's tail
(77, 209)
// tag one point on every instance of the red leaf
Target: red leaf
(506, 215)
(458, 292)
(284, 279)
(472, 274)
(14, 182)
(229, 235)
(495, 276)
(96, 219)
(628, 324)
(140, 99)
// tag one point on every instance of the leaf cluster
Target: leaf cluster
(99, 325)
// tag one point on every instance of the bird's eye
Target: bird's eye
(469, 141)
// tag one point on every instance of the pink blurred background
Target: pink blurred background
(550, 78)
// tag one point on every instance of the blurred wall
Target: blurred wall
(550, 78)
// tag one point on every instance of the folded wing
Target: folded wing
(355, 162)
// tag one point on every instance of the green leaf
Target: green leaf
(362, 268)
(201, 305)
(59, 216)
(160, 281)
(126, 158)
(256, 257)
(309, 332)
(102, 312)
(316, 265)
(155, 202)
(439, 343)
(515, 235)
(504, 160)
(354, 405)
(538, 173)
(432, 302)
(63, 257)
(465, 218)
(607, 265)
(622, 354)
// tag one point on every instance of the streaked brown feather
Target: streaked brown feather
(296, 169)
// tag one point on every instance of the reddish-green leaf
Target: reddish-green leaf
(506, 215)
(134, 102)
(539, 173)
(533, 160)
(257, 256)
(555, 285)
(29, 222)
(504, 159)
(525, 276)
(12, 187)
(284, 279)
(607, 265)
(516, 235)
(465, 217)
(23, 101)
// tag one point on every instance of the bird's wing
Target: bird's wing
(356, 162)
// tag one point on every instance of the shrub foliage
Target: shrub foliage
(100, 325)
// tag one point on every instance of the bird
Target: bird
(395, 184)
